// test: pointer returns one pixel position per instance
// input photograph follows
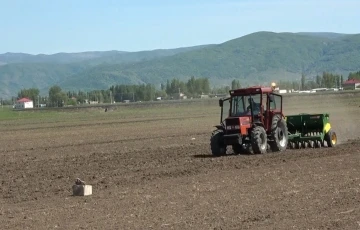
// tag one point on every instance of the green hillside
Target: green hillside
(14, 77)
(18, 70)
(256, 58)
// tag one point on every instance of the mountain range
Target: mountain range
(256, 58)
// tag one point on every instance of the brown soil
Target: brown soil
(159, 174)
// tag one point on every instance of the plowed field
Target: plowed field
(151, 168)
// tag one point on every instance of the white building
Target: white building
(24, 103)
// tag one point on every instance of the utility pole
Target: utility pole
(110, 97)
(133, 97)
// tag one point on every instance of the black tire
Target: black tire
(259, 140)
(331, 138)
(217, 145)
(279, 134)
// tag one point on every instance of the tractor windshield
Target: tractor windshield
(240, 105)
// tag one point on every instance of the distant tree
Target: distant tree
(329, 80)
(31, 93)
(295, 85)
(303, 80)
(355, 75)
(71, 101)
(338, 81)
(310, 85)
(57, 98)
(235, 84)
(162, 86)
(168, 87)
(318, 81)
(161, 94)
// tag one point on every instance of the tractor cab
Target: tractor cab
(248, 110)
(250, 106)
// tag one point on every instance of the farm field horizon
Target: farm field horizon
(151, 168)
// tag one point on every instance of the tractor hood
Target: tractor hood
(238, 125)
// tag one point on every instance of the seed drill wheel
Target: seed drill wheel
(259, 140)
(218, 148)
(318, 144)
(311, 144)
(304, 144)
(331, 138)
(279, 134)
(292, 145)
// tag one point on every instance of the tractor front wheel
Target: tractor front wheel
(218, 148)
(331, 138)
(259, 140)
(279, 134)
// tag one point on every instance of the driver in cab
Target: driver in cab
(255, 106)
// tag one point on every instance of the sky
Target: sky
(52, 26)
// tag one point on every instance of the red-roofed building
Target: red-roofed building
(351, 84)
(24, 103)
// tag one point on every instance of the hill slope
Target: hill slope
(254, 58)
(18, 70)
(14, 77)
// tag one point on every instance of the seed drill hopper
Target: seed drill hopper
(310, 130)
(252, 121)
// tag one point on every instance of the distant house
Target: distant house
(351, 84)
(24, 103)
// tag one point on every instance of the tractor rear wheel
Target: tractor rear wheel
(279, 134)
(218, 148)
(331, 138)
(259, 140)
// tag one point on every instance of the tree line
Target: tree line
(326, 80)
(355, 76)
(193, 87)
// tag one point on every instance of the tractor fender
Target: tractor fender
(258, 124)
(219, 127)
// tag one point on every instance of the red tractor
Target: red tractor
(251, 120)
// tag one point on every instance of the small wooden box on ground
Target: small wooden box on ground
(82, 190)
